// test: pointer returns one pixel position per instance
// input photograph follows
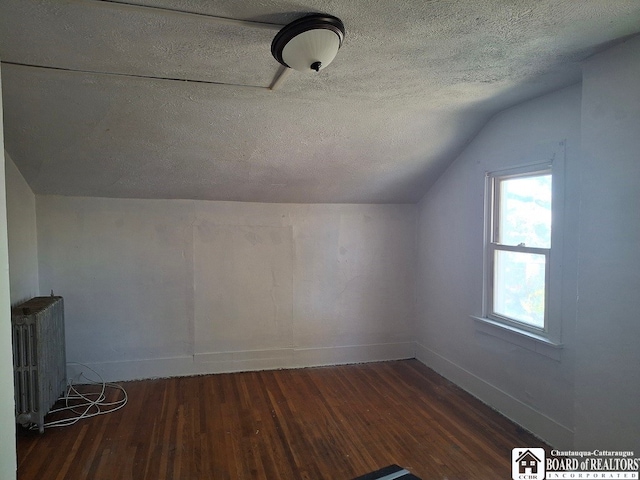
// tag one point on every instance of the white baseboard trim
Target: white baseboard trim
(549, 430)
(354, 354)
(249, 360)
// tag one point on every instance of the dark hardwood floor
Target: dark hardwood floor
(314, 423)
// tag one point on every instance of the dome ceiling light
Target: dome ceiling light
(310, 43)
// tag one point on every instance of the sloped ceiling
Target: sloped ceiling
(162, 100)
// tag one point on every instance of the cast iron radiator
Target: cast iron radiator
(39, 358)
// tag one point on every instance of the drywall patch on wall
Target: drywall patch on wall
(354, 275)
(243, 285)
(125, 272)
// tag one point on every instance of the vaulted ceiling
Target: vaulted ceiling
(171, 98)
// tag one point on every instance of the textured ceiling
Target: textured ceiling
(113, 116)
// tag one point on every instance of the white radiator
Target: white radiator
(39, 358)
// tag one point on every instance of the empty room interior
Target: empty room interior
(445, 210)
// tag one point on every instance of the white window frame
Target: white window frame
(546, 341)
(492, 246)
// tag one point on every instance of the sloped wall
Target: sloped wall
(22, 233)
(588, 397)
(532, 389)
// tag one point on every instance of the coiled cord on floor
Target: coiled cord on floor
(81, 405)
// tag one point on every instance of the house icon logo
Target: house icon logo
(527, 464)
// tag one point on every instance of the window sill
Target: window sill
(525, 339)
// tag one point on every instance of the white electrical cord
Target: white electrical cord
(86, 405)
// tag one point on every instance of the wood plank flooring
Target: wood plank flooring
(314, 423)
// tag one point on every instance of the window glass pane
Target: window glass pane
(525, 211)
(518, 287)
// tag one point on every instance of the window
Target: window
(518, 248)
(523, 273)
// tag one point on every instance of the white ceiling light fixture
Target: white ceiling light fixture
(310, 43)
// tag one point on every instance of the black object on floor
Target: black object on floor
(392, 472)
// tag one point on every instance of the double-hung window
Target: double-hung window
(518, 248)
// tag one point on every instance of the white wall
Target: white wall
(588, 397)
(532, 389)
(167, 287)
(8, 462)
(608, 326)
(23, 240)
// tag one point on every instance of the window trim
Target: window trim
(494, 180)
(551, 333)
